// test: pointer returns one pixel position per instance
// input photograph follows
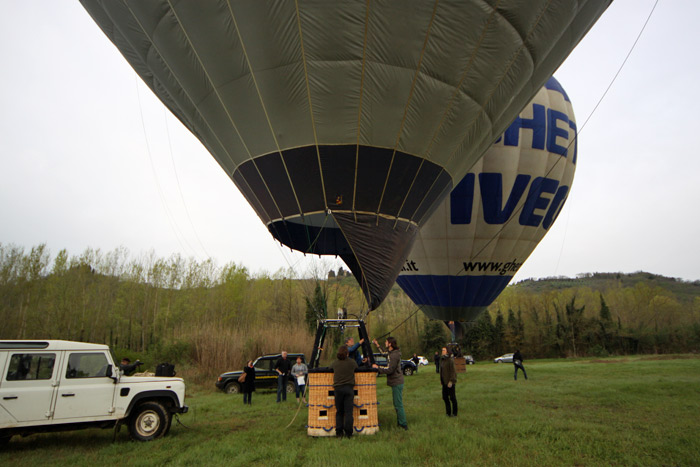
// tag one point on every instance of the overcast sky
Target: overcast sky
(90, 158)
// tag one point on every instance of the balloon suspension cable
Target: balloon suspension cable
(311, 244)
(401, 323)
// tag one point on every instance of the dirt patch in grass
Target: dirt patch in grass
(618, 360)
(669, 357)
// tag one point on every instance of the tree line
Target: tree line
(219, 316)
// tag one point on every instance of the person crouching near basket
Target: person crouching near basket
(343, 388)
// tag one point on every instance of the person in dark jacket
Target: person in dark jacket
(354, 349)
(343, 388)
(448, 379)
(415, 360)
(436, 359)
(394, 378)
(518, 363)
(127, 367)
(248, 385)
(283, 366)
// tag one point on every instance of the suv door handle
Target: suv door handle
(7, 398)
(67, 395)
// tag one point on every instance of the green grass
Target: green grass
(617, 411)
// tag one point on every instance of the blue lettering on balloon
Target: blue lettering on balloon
(535, 200)
(555, 207)
(553, 131)
(537, 124)
(461, 200)
(491, 185)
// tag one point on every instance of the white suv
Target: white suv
(52, 385)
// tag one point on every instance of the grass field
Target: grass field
(617, 411)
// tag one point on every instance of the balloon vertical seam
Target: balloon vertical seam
(311, 108)
(359, 109)
(406, 107)
(174, 76)
(264, 108)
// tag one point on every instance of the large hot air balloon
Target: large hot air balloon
(476, 240)
(345, 123)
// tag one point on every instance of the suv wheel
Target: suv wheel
(408, 371)
(291, 387)
(232, 388)
(149, 421)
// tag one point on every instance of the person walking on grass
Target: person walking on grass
(394, 378)
(248, 386)
(448, 379)
(343, 388)
(299, 372)
(518, 363)
(436, 359)
(282, 367)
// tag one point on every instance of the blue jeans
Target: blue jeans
(519, 365)
(282, 387)
(300, 388)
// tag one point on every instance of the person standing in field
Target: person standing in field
(436, 359)
(518, 363)
(248, 386)
(394, 378)
(282, 367)
(299, 372)
(343, 389)
(448, 378)
(415, 360)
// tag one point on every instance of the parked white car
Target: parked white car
(422, 360)
(53, 385)
(505, 358)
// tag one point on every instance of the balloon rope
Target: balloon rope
(621, 66)
(179, 188)
(401, 323)
(168, 214)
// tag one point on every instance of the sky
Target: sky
(90, 158)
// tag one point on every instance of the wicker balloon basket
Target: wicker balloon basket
(322, 403)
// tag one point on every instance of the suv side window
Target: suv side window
(29, 366)
(87, 365)
(263, 364)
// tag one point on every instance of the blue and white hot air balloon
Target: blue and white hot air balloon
(476, 240)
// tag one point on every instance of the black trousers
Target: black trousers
(344, 398)
(247, 397)
(450, 398)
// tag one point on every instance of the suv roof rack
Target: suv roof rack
(5, 345)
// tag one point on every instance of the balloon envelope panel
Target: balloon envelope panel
(345, 123)
(476, 240)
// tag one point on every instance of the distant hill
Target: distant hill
(684, 291)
